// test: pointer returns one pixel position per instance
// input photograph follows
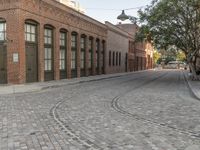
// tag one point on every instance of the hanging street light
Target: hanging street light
(124, 17)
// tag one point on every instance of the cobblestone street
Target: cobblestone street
(151, 110)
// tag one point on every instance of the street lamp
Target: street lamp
(124, 17)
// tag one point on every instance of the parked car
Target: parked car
(176, 65)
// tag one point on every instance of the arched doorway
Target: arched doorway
(31, 52)
(3, 52)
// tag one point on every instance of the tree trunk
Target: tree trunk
(192, 64)
(192, 68)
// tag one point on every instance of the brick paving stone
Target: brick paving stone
(150, 110)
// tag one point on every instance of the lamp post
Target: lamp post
(124, 17)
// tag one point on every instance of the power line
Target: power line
(116, 9)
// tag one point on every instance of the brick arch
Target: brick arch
(49, 26)
(2, 19)
(74, 33)
(83, 35)
(63, 29)
(31, 21)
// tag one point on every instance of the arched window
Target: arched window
(97, 55)
(90, 59)
(63, 49)
(2, 30)
(83, 49)
(110, 58)
(74, 54)
(31, 32)
(48, 53)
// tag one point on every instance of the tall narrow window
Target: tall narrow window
(48, 47)
(63, 47)
(2, 30)
(103, 57)
(90, 53)
(73, 53)
(113, 58)
(116, 58)
(97, 54)
(120, 59)
(83, 44)
(109, 58)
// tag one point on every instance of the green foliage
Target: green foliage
(156, 56)
(181, 56)
(172, 23)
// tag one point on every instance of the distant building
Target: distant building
(73, 4)
(140, 56)
(117, 49)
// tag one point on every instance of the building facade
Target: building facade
(44, 40)
(140, 55)
(117, 49)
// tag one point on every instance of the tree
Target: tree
(173, 23)
(156, 56)
(181, 56)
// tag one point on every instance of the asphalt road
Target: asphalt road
(151, 110)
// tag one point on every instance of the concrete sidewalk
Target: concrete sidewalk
(194, 86)
(33, 87)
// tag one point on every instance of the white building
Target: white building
(73, 4)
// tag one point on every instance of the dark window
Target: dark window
(48, 48)
(97, 53)
(63, 47)
(116, 58)
(73, 51)
(109, 58)
(120, 59)
(83, 44)
(90, 53)
(113, 58)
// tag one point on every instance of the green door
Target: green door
(31, 64)
(3, 65)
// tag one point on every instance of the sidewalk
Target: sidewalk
(38, 86)
(194, 86)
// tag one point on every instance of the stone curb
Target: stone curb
(91, 80)
(193, 91)
(29, 88)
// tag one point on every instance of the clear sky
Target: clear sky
(95, 8)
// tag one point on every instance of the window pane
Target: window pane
(45, 32)
(1, 36)
(46, 65)
(49, 41)
(33, 29)
(28, 27)
(49, 53)
(28, 37)
(62, 54)
(33, 38)
(49, 65)
(82, 64)
(62, 64)
(82, 55)
(46, 53)
(1, 27)
(45, 40)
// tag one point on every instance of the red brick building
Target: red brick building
(42, 40)
(117, 49)
(140, 55)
